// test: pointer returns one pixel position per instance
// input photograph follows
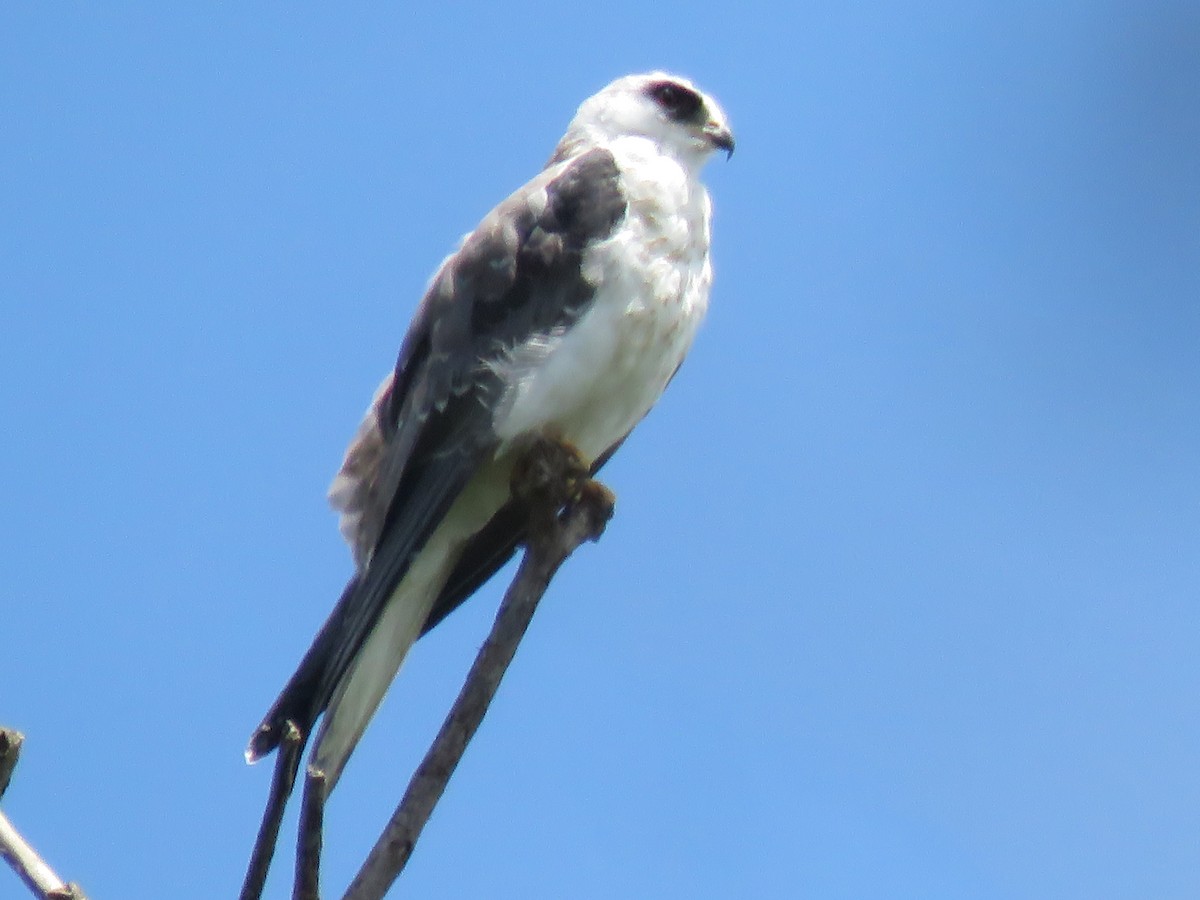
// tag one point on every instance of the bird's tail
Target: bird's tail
(346, 673)
(364, 685)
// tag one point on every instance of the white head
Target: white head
(666, 109)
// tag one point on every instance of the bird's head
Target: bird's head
(670, 111)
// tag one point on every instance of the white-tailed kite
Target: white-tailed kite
(565, 313)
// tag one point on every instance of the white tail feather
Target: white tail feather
(362, 688)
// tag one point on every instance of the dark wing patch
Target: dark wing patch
(518, 274)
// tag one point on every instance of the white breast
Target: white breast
(593, 382)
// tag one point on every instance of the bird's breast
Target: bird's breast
(592, 382)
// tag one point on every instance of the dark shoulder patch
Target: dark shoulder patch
(546, 232)
(586, 199)
(518, 274)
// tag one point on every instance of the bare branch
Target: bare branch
(308, 843)
(15, 850)
(554, 533)
(287, 762)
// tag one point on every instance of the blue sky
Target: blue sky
(901, 595)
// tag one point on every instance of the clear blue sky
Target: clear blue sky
(901, 596)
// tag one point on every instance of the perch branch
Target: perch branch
(287, 762)
(308, 844)
(566, 509)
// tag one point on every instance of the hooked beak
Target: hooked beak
(720, 137)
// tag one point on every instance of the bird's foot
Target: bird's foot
(596, 494)
(550, 473)
(598, 502)
(554, 483)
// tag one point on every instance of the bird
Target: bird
(565, 313)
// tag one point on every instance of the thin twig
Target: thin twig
(287, 762)
(308, 842)
(553, 537)
(15, 850)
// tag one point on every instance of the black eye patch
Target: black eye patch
(680, 103)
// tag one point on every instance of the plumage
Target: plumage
(566, 311)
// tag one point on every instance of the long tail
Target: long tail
(364, 685)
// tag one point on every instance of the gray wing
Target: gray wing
(518, 274)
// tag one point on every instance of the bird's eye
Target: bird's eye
(679, 102)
